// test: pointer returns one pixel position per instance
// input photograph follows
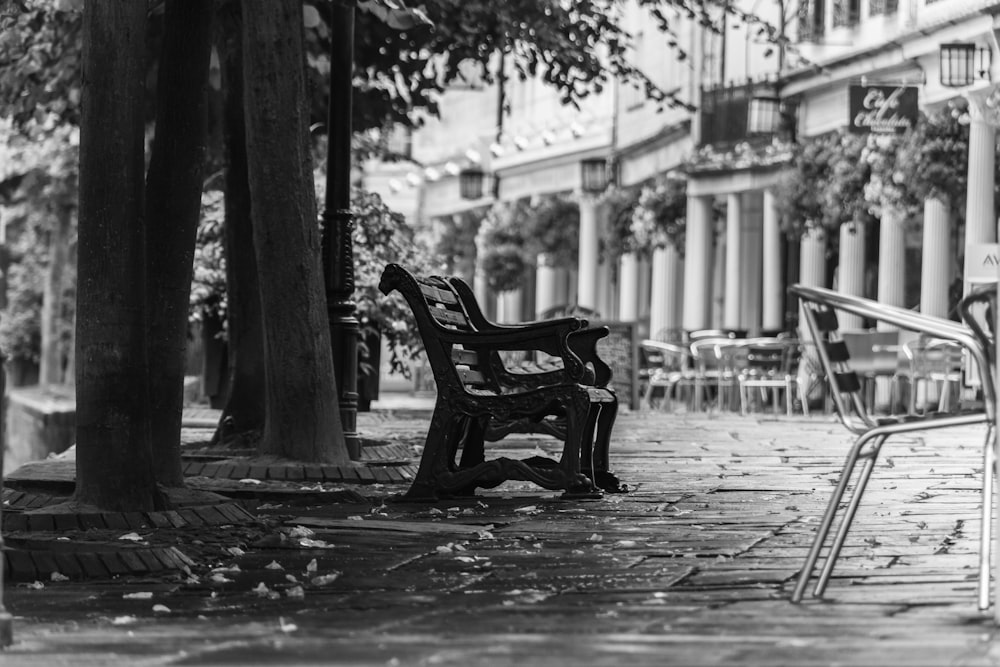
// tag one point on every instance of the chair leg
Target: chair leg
(824, 526)
(845, 525)
(985, 542)
(831, 512)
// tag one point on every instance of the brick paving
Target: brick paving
(693, 567)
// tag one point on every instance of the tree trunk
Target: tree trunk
(51, 370)
(173, 208)
(302, 418)
(243, 415)
(114, 465)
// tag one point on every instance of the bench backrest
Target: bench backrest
(437, 309)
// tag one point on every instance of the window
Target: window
(811, 18)
(882, 7)
(846, 13)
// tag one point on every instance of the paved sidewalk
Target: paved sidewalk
(693, 567)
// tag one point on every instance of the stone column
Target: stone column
(851, 269)
(812, 263)
(773, 319)
(545, 285)
(935, 270)
(698, 262)
(586, 292)
(980, 220)
(732, 311)
(891, 260)
(509, 307)
(666, 291)
(628, 287)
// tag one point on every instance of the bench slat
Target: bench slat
(471, 377)
(449, 317)
(438, 294)
(467, 357)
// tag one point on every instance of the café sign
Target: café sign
(882, 109)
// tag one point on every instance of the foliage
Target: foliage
(455, 237)
(660, 216)
(502, 245)
(620, 204)
(381, 236)
(576, 47)
(40, 60)
(514, 234)
(885, 187)
(208, 282)
(742, 155)
(553, 227)
(933, 160)
(800, 196)
(39, 166)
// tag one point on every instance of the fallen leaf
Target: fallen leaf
(144, 595)
(325, 579)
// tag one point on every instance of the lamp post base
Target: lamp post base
(6, 629)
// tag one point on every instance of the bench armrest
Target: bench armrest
(553, 339)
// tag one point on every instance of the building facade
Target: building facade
(749, 89)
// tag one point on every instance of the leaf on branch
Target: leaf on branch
(395, 14)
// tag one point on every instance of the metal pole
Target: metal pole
(338, 222)
(6, 621)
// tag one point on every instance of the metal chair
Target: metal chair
(667, 366)
(771, 364)
(933, 369)
(820, 308)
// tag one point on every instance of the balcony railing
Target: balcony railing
(732, 114)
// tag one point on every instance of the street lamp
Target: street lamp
(963, 63)
(763, 115)
(470, 183)
(6, 621)
(338, 223)
(594, 174)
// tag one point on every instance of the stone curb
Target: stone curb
(193, 517)
(40, 564)
(358, 474)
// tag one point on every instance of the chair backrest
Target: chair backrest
(666, 356)
(767, 357)
(835, 359)
(437, 309)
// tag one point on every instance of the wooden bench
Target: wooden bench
(475, 388)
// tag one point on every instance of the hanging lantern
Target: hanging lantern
(470, 183)
(962, 64)
(594, 174)
(763, 115)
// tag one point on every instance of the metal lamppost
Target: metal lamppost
(6, 621)
(338, 223)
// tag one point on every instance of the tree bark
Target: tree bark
(302, 419)
(114, 464)
(173, 207)
(242, 418)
